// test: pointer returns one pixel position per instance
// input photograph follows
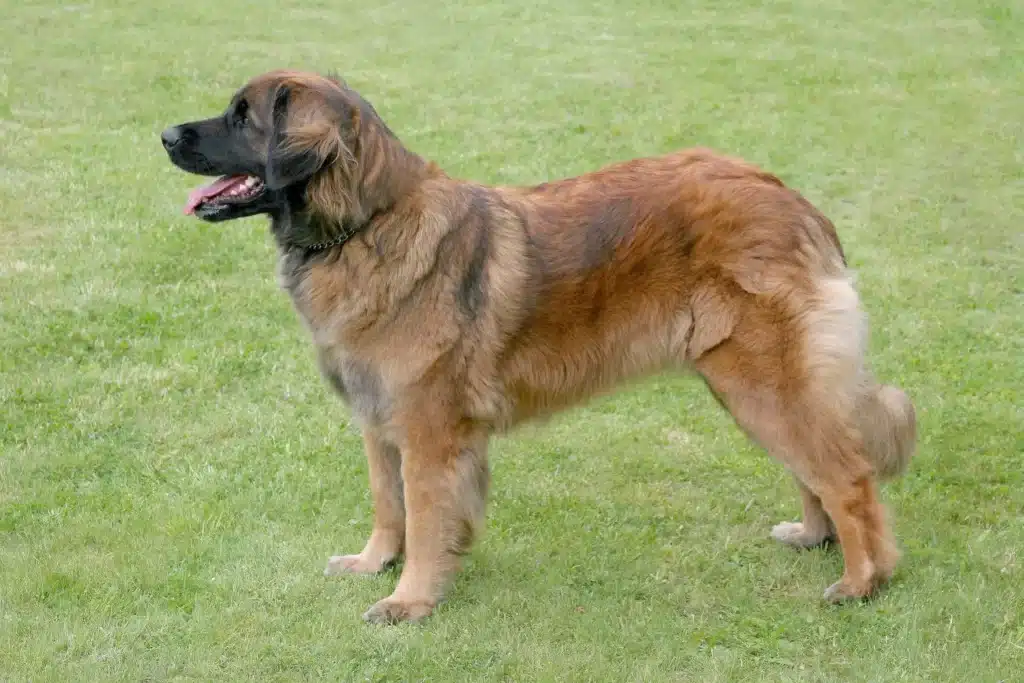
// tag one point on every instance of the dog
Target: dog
(444, 312)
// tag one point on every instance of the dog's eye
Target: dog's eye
(242, 114)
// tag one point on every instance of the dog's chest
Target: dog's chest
(358, 384)
(317, 300)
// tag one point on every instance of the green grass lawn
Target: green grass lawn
(174, 473)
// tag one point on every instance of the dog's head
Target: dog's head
(285, 137)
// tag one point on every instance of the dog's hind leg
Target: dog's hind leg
(791, 382)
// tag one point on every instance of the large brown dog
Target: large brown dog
(444, 311)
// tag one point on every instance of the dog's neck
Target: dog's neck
(347, 233)
(300, 232)
(338, 204)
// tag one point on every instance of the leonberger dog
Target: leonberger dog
(444, 311)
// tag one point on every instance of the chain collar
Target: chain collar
(345, 236)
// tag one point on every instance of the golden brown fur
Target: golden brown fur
(459, 310)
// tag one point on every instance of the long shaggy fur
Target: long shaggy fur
(460, 310)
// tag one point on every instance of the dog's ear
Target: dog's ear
(305, 137)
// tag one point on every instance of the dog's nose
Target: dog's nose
(170, 137)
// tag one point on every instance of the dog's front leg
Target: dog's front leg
(445, 476)
(385, 543)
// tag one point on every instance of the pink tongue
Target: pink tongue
(200, 194)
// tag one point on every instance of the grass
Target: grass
(174, 474)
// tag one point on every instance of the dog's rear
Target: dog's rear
(883, 414)
(888, 425)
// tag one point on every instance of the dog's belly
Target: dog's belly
(559, 366)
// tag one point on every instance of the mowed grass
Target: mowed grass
(174, 474)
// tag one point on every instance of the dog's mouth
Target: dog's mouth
(223, 192)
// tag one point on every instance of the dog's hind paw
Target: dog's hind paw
(844, 590)
(391, 611)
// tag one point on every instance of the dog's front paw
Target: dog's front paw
(392, 610)
(797, 535)
(356, 564)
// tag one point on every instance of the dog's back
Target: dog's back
(651, 263)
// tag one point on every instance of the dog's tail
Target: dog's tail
(888, 424)
(883, 414)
